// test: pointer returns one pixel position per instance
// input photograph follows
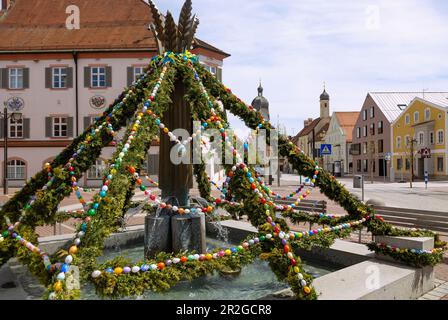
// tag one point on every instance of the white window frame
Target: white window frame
(427, 114)
(372, 112)
(15, 78)
(407, 140)
(16, 169)
(364, 131)
(15, 127)
(364, 115)
(212, 69)
(407, 119)
(416, 117)
(421, 138)
(440, 137)
(58, 125)
(59, 78)
(97, 170)
(98, 75)
(358, 132)
(138, 71)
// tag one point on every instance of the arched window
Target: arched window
(416, 117)
(421, 138)
(16, 169)
(427, 114)
(97, 170)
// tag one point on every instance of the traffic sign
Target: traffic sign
(325, 149)
(388, 156)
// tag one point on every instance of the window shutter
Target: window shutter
(4, 78)
(69, 77)
(219, 74)
(48, 78)
(108, 77)
(70, 126)
(87, 73)
(26, 128)
(86, 122)
(2, 126)
(130, 76)
(49, 127)
(26, 78)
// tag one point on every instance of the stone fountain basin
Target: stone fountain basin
(352, 277)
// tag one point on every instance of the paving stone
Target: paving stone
(430, 296)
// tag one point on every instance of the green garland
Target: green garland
(114, 206)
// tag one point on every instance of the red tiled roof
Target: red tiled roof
(104, 25)
(347, 121)
(305, 131)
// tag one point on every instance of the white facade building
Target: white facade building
(59, 84)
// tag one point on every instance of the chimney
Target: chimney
(307, 122)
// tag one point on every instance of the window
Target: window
(427, 114)
(380, 146)
(98, 77)
(380, 127)
(421, 138)
(407, 140)
(366, 165)
(15, 78)
(440, 164)
(15, 128)
(416, 117)
(431, 137)
(364, 115)
(364, 148)
(59, 78)
(364, 131)
(97, 170)
(440, 137)
(358, 132)
(372, 112)
(372, 129)
(399, 163)
(398, 143)
(408, 164)
(16, 170)
(60, 127)
(407, 119)
(138, 72)
(210, 69)
(358, 165)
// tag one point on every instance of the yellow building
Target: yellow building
(421, 128)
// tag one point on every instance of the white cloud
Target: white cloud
(296, 45)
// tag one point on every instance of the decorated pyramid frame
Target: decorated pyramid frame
(145, 103)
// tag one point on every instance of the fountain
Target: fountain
(165, 231)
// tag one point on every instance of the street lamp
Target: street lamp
(15, 116)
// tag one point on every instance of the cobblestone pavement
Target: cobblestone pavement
(286, 188)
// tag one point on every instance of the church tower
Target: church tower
(260, 103)
(324, 104)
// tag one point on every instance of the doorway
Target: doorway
(382, 167)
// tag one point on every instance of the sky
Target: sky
(294, 46)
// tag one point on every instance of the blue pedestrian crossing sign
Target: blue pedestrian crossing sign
(325, 149)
